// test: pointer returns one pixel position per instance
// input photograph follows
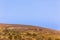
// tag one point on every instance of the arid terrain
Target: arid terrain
(27, 32)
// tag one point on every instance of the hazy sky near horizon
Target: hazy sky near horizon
(45, 13)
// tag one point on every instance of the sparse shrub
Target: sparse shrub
(34, 34)
(13, 34)
(49, 38)
(28, 34)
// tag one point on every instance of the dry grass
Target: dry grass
(27, 33)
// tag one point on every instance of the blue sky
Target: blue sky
(45, 13)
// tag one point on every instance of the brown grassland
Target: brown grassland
(27, 32)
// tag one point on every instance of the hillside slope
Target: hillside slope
(27, 32)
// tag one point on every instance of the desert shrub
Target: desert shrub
(49, 38)
(28, 34)
(12, 34)
(34, 34)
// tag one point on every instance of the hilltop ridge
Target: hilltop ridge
(27, 32)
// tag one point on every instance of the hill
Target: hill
(27, 32)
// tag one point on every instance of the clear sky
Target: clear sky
(45, 13)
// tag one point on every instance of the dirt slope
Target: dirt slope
(27, 32)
